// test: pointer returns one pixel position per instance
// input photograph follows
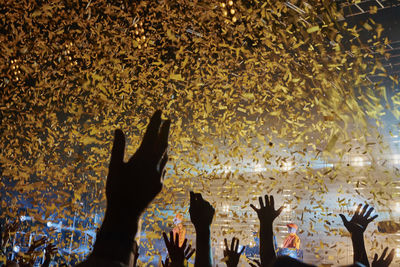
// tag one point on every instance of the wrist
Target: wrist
(203, 230)
(116, 221)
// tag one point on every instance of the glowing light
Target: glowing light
(225, 208)
(397, 207)
(259, 168)
(16, 249)
(286, 166)
(397, 252)
(396, 159)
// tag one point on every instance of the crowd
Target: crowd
(132, 185)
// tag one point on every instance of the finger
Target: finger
(151, 134)
(253, 207)
(118, 149)
(190, 254)
(279, 211)
(272, 201)
(162, 142)
(383, 254)
(192, 198)
(226, 244)
(267, 204)
(163, 162)
(369, 212)
(184, 243)
(372, 218)
(252, 264)
(237, 245)
(233, 244)
(171, 238)
(187, 250)
(358, 209)
(166, 241)
(364, 209)
(390, 258)
(241, 251)
(345, 221)
(375, 257)
(260, 200)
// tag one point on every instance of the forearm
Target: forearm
(267, 251)
(203, 248)
(359, 253)
(115, 239)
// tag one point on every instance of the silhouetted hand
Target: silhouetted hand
(267, 213)
(36, 244)
(201, 211)
(51, 250)
(360, 220)
(132, 185)
(382, 262)
(255, 263)
(176, 253)
(166, 263)
(232, 255)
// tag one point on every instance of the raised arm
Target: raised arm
(232, 255)
(130, 187)
(201, 215)
(267, 214)
(382, 262)
(356, 227)
(177, 254)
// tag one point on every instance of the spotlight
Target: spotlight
(16, 249)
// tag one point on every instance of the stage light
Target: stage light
(16, 249)
(49, 224)
(358, 161)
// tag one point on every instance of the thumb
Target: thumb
(345, 221)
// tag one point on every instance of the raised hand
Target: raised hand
(357, 226)
(232, 255)
(201, 215)
(267, 213)
(382, 262)
(36, 244)
(177, 254)
(360, 220)
(201, 211)
(132, 185)
(51, 250)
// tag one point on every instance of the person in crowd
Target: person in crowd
(131, 186)
(292, 240)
